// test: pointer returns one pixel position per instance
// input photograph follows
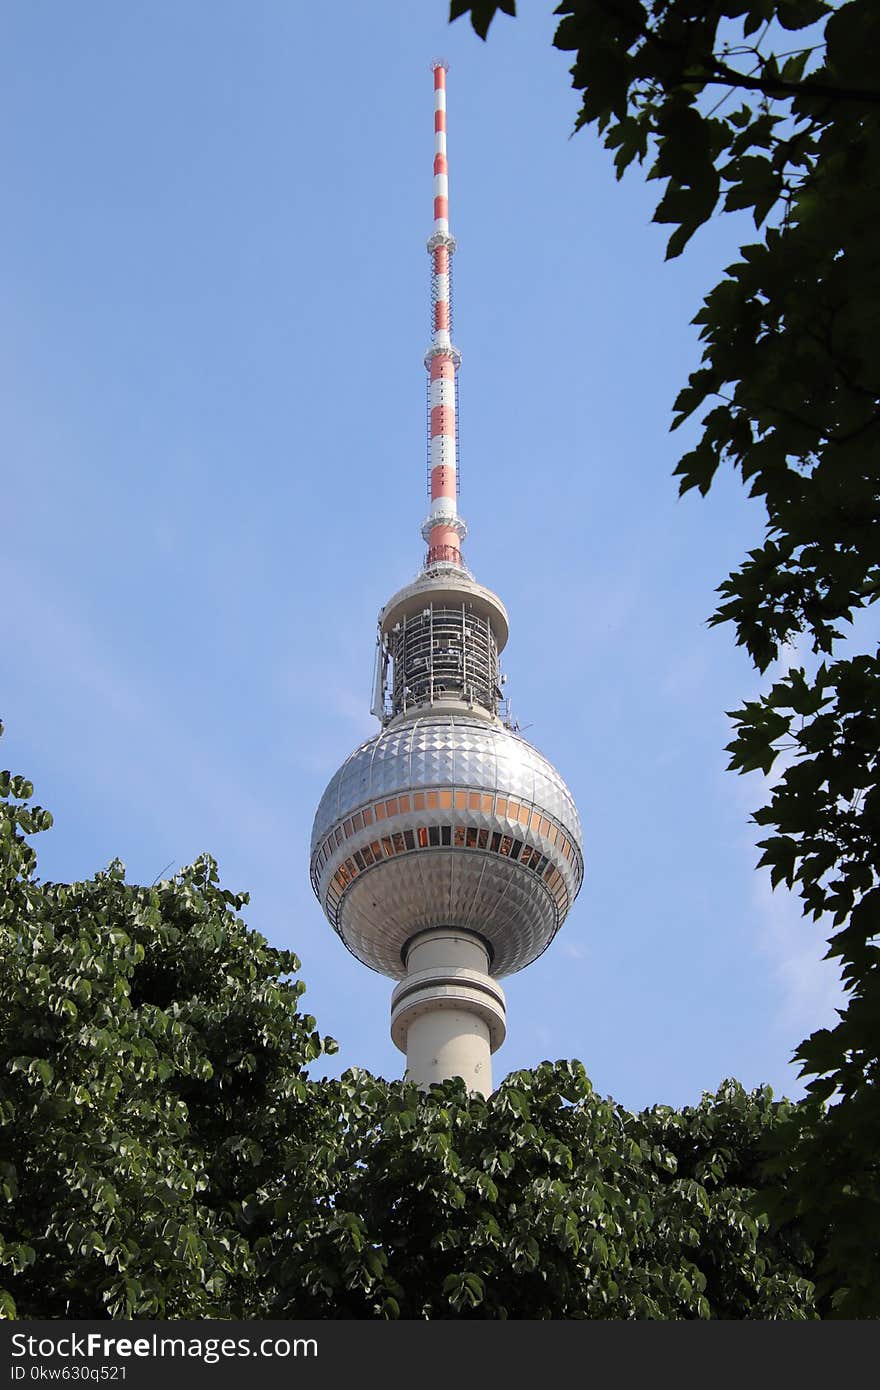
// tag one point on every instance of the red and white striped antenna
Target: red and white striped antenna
(443, 529)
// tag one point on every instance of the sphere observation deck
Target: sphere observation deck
(447, 818)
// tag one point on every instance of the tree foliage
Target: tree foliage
(151, 1081)
(543, 1202)
(773, 107)
(164, 1154)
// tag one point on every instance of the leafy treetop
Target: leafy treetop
(773, 107)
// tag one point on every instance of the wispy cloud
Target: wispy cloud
(808, 986)
(793, 945)
(574, 951)
(686, 675)
(330, 721)
(145, 742)
(56, 636)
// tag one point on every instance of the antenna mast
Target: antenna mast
(443, 528)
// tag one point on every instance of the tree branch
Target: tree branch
(779, 87)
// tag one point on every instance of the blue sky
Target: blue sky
(214, 297)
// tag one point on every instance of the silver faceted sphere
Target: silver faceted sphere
(446, 820)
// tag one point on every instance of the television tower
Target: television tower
(446, 851)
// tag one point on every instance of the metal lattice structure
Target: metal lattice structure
(444, 654)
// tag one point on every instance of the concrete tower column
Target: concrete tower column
(448, 1014)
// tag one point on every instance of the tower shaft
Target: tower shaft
(448, 1014)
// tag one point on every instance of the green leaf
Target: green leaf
(482, 12)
